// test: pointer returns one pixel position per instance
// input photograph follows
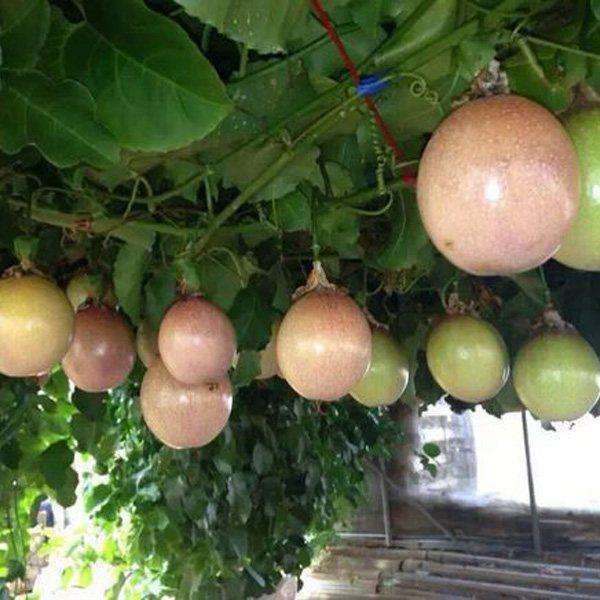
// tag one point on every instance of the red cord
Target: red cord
(323, 17)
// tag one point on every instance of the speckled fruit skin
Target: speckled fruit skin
(557, 376)
(324, 345)
(36, 325)
(180, 415)
(468, 358)
(146, 344)
(498, 186)
(581, 247)
(103, 351)
(196, 341)
(387, 376)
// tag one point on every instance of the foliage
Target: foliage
(217, 145)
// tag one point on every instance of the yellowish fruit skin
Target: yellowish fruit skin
(146, 344)
(581, 247)
(36, 325)
(557, 376)
(387, 376)
(268, 355)
(468, 358)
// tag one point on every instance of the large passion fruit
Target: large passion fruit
(36, 325)
(581, 247)
(468, 358)
(324, 344)
(387, 376)
(557, 376)
(180, 415)
(498, 186)
(103, 351)
(196, 341)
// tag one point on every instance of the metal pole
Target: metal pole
(535, 517)
(385, 504)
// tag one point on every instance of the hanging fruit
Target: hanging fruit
(498, 186)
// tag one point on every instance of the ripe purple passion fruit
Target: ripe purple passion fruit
(36, 325)
(146, 343)
(468, 358)
(102, 353)
(581, 248)
(557, 376)
(387, 376)
(498, 186)
(196, 341)
(180, 415)
(324, 345)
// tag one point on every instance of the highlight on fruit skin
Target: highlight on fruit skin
(196, 341)
(103, 351)
(468, 358)
(498, 186)
(388, 374)
(268, 355)
(324, 344)
(36, 325)
(180, 415)
(557, 376)
(146, 344)
(581, 247)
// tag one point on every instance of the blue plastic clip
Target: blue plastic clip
(371, 84)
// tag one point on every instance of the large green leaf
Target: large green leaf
(130, 267)
(58, 118)
(23, 29)
(51, 55)
(264, 25)
(155, 91)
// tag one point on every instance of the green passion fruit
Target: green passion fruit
(387, 376)
(468, 358)
(102, 353)
(557, 376)
(82, 288)
(180, 415)
(581, 247)
(498, 186)
(146, 344)
(324, 344)
(36, 325)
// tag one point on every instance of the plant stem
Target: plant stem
(303, 141)
(243, 60)
(541, 42)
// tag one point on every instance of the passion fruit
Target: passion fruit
(268, 355)
(82, 288)
(180, 415)
(498, 186)
(146, 343)
(387, 376)
(557, 376)
(196, 341)
(103, 351)
(468, 358)
(324, 344)
(581, 247)
(36, 325)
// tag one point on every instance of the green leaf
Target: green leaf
(55, 465)
(431, 450)
(338, 228)
(292, 212)
(407, 244)
(220, 279)
(252, 318)
(262, 459)
(246, 369)
(264, 25)
(161, 291)
(153, 88)
(595, 4)
(238, 498)
(51, 55)
(59, 118)
(129, 270)
(84, 576)
(23, 28)
(90, 404)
